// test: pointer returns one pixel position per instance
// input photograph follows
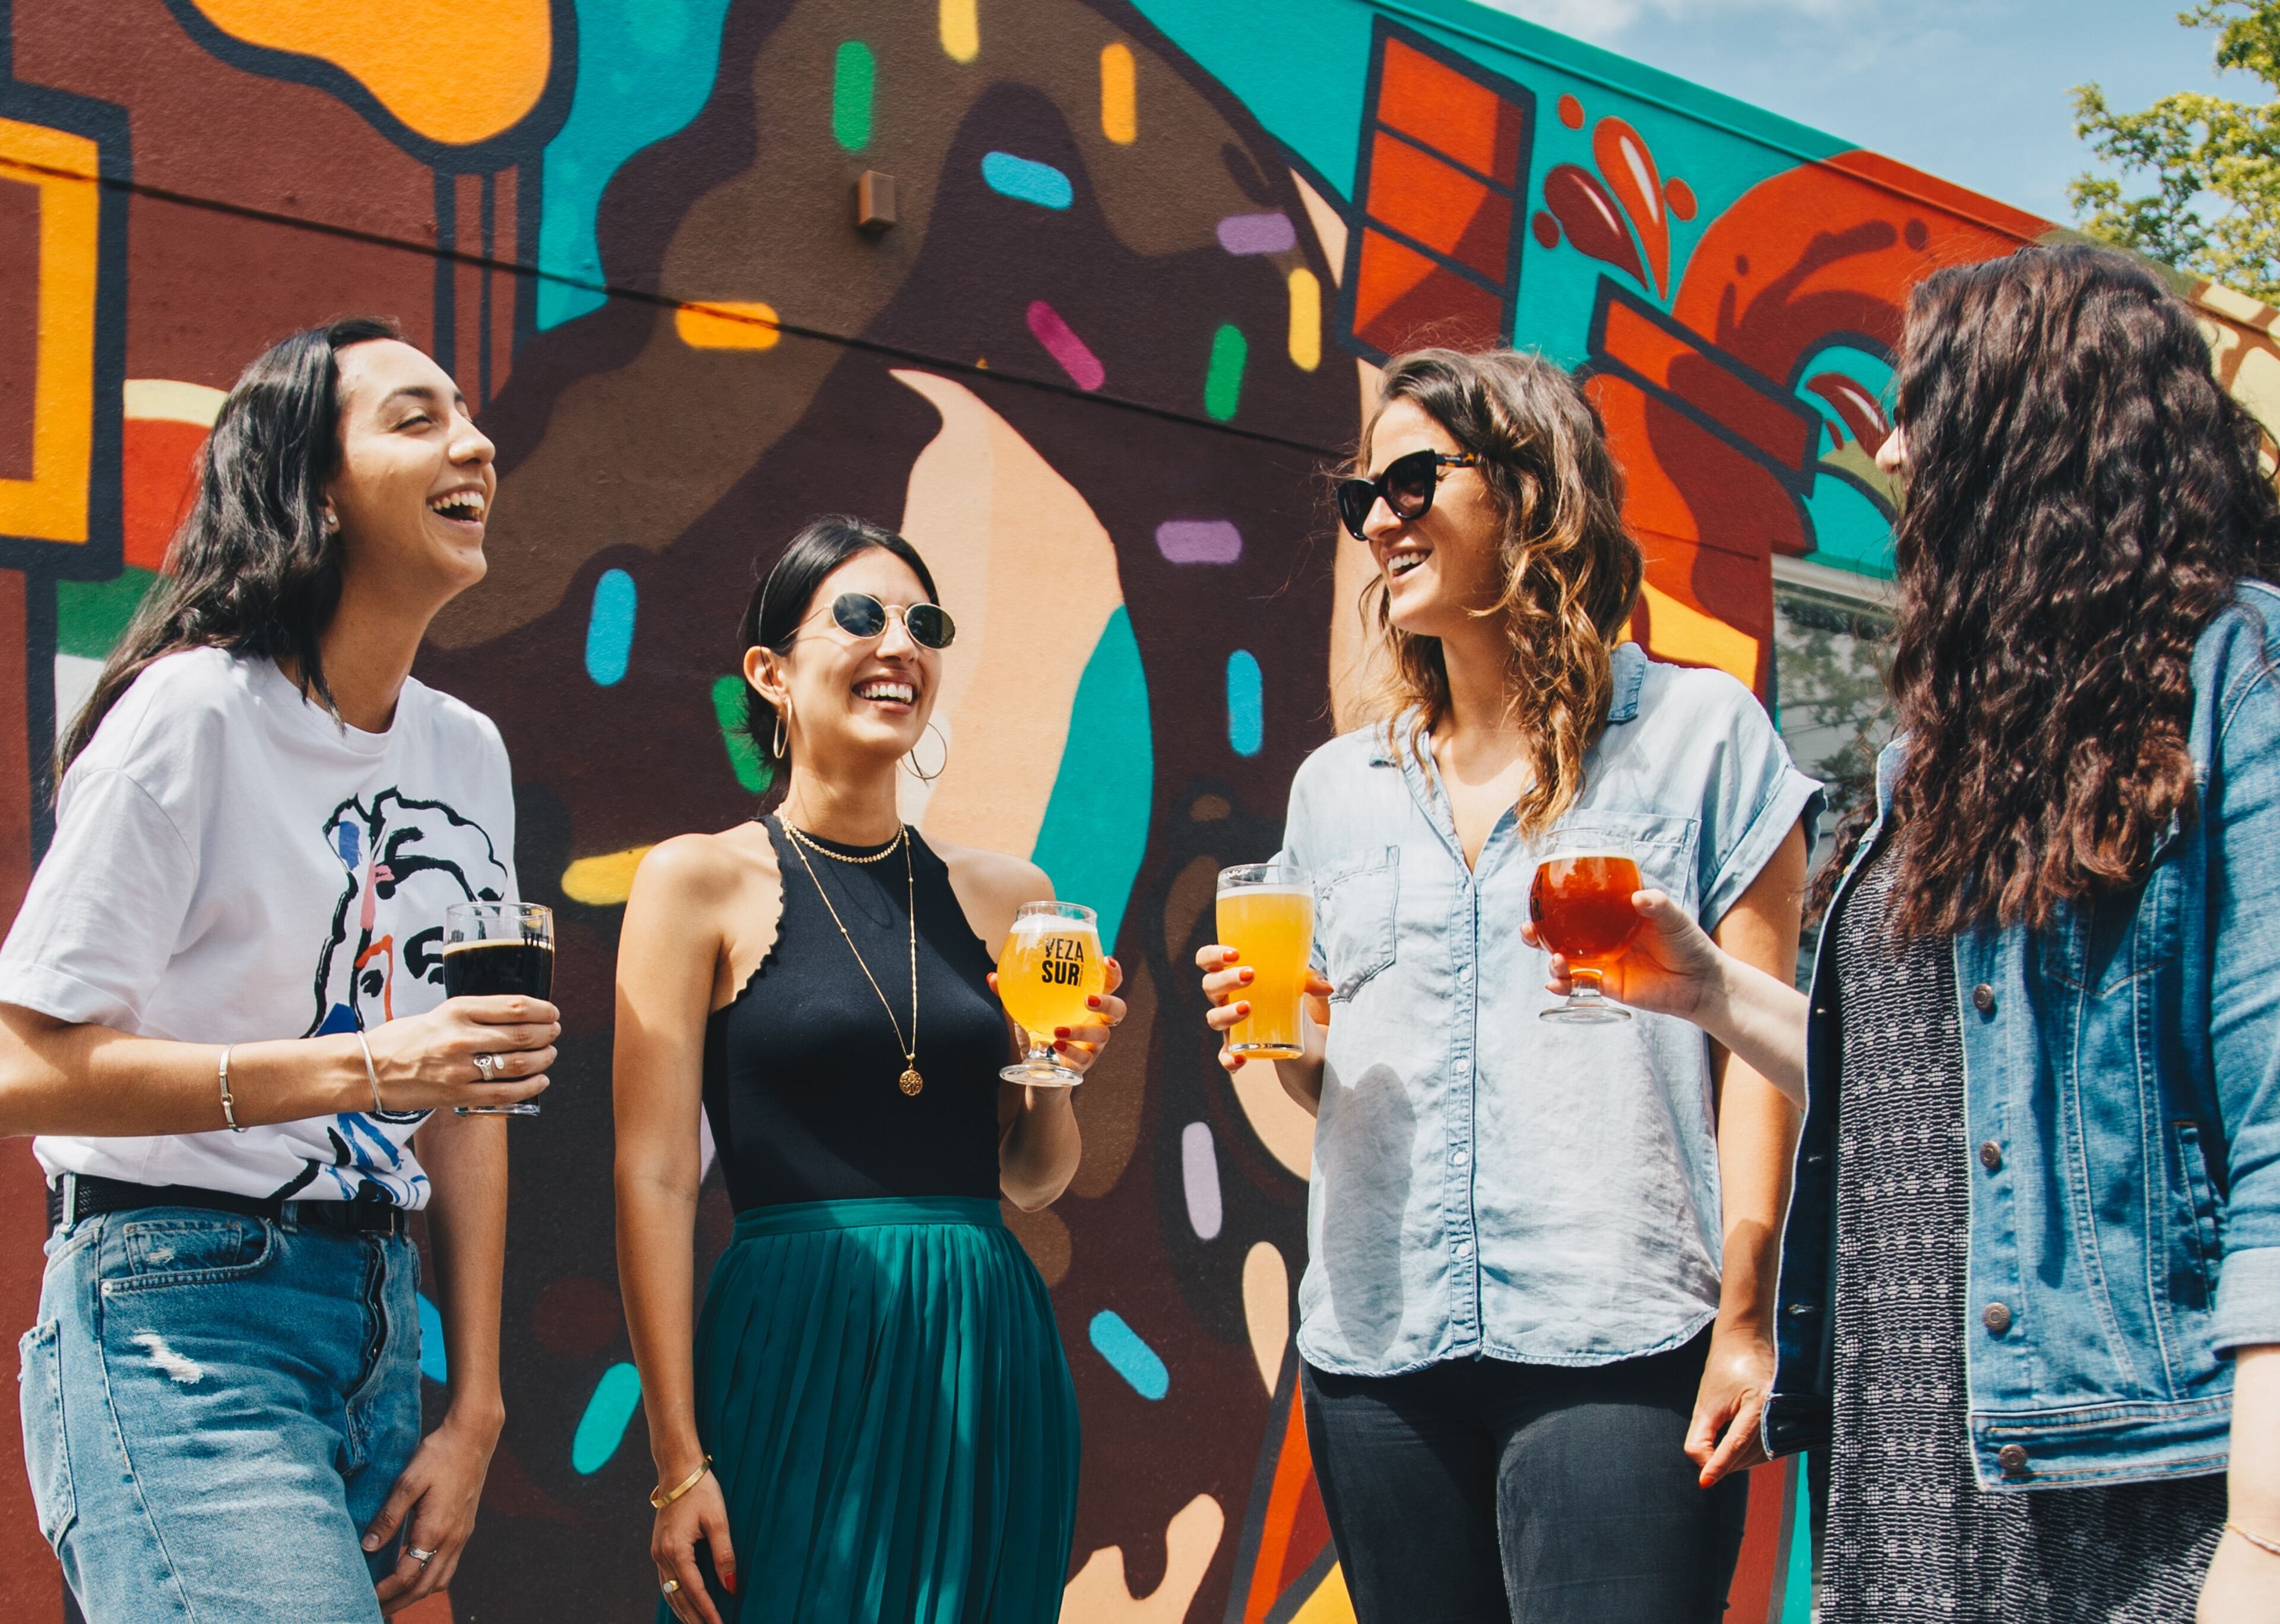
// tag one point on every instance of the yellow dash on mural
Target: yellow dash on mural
(1306, 320)
(170, 400)
(603, 881)
(1120, 105)
(725, 324)
(962, 30)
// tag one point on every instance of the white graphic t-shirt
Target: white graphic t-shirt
(231, 864)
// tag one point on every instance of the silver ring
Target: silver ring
(421, 1556)
(488, 1065)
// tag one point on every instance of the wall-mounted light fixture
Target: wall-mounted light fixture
(874, 200)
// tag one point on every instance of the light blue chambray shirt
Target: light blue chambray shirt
(1487, 1182)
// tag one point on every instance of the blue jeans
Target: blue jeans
(214, 1406)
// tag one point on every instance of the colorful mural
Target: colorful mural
(1148, 255)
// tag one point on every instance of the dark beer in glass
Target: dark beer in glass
(498, 949)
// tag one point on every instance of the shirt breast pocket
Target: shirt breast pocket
(1662, 844)
(1357, 900)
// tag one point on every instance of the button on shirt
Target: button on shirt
(1486, 1181)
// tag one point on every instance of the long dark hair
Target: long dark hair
(781, 601)
(2082, 499)
(253, 569)
(1571, 568)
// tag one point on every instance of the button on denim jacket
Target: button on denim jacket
(1486, 1183)
(2122, 1099)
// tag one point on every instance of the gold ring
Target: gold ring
(670, 1586)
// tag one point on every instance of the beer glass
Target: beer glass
(1051, 963)
(1580, 902)
(1266, 914)
(492, 949)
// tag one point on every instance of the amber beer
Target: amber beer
(1267, 915)
(1581, 904)
(1050, 965)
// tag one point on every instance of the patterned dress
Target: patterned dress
(1910, 1534)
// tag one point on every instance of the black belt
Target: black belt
(86, 1195)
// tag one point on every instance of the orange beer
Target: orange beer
(1266, 914)
(1050, 965)
(1580, 902)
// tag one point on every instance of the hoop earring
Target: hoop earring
(911, 761)
(778, 750)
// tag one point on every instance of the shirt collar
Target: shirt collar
(1628, 664)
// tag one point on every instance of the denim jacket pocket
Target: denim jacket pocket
(2199, 1251)
(47, 1455)
(1357, 902)
(144, 1253)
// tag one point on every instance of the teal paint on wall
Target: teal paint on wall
(1096, 824)
(645, 70)
(603, 1427)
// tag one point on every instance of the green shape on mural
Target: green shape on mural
(644, 71)
(852, 75)
(1223, 383)
(1096, 823)
(91, 616)
(744, 758)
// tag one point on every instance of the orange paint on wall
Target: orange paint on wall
(158, 478)
(51, 504)
(454, 72)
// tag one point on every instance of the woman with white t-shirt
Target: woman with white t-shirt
(222, 1011)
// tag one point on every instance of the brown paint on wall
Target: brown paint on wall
(20, 324)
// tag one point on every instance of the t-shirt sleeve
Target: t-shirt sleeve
(1754, 796)
(100, 923)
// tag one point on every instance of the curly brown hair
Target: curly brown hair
(1571, 568)
(2082, 499)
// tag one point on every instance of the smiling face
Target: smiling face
(853, 698)
(414, 485)
(1441, 569)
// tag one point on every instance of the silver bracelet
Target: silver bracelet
(2257, 1540)
(371, 1075)
(229, 1105)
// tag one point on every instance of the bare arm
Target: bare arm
(58, 1077)
(2244, 1581)
(668, 954)
(1757, 1132)
(465, 1160)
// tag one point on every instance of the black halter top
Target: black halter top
(802, 1071)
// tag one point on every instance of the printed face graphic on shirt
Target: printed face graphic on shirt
(403, 862)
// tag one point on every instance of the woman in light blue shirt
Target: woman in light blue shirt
(1536, 1317)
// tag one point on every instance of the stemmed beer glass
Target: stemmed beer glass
(1580, 904)
(1050, 965)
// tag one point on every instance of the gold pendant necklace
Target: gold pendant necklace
(910, 1081)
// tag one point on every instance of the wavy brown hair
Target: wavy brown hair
(1571, 569)
(2082, 499)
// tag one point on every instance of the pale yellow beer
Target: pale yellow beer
(1266, 914)
(1051, 964)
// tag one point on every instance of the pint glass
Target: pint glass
(1580, 902)
(1050, 965)
(1266, 914)
(495, 948)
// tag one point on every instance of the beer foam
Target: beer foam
(1267, 891)
(1049, 925)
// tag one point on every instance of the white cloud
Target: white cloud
(1603, 22)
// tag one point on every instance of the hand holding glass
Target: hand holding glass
(1267, 915)
(1580, 904)
(1051, 966)
(495, 949)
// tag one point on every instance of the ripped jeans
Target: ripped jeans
(214, 1406)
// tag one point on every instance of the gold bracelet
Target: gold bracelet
(663, 1497)
(2257, 1540)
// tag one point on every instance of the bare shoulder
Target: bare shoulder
(699, 869)
(991, 886)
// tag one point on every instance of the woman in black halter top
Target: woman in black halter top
(877, 1423)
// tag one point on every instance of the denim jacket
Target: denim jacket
(1486, 1183)
(2122, 1100)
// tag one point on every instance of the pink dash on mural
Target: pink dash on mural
(1257, 233)
(1199, 541)
(1062, 344)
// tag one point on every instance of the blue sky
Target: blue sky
(1973, 90)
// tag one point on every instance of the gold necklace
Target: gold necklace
(813, 845)
(910, 1081)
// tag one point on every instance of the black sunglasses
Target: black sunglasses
(860, 615)
(1406, 486)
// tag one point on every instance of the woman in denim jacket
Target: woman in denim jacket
(2030, 1277)
(1536, 1314)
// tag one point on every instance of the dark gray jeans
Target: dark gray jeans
(1483, 1492)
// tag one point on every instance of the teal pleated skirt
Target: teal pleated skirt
(883, 1390)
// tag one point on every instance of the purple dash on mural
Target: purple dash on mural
(1062, 344)
(1199, 541)
(1257, 233)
